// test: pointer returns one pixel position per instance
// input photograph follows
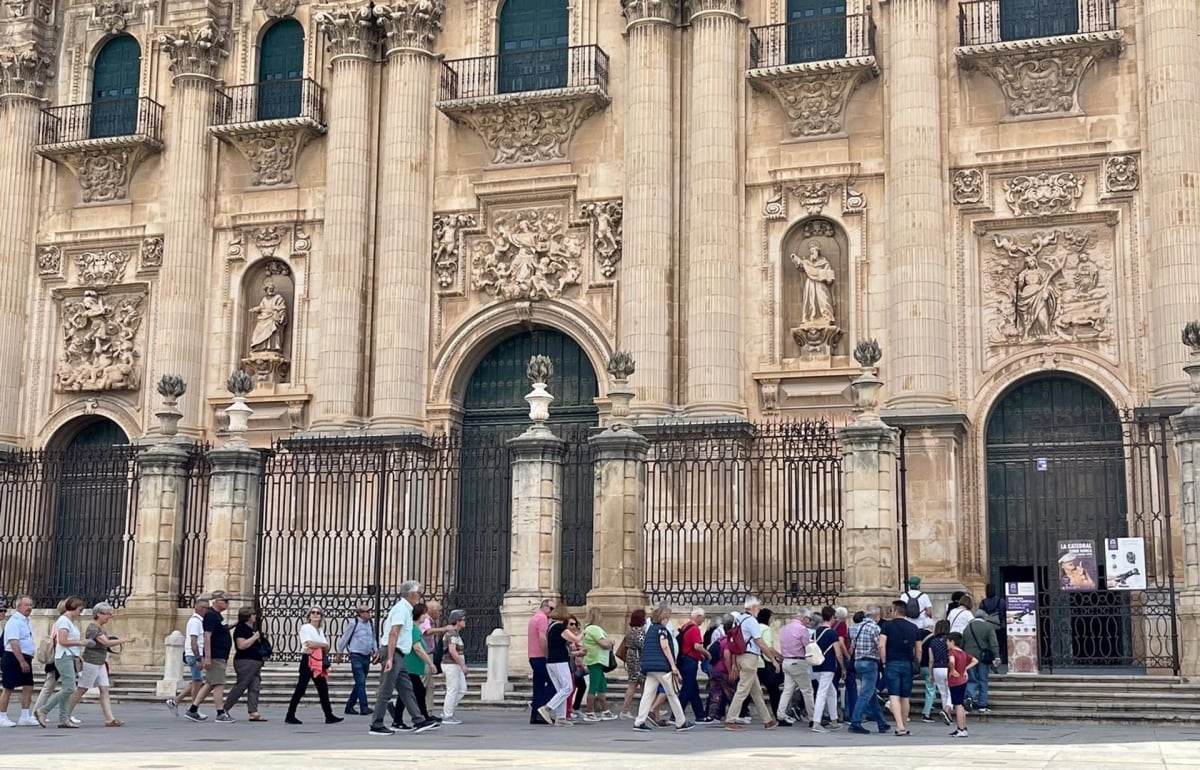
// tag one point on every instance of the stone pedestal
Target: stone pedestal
(1187, 445)
(869, 450)
(172, 681)
(618, 574)
(233, 510)
(496, 686)
(537, 472)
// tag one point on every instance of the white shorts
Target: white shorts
(93, 676)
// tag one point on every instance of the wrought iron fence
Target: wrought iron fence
(523, 71)
(744, 508)
(193, 539)
(67, 524)
(981, 22)
(110, 118)
(270, 100)
(832, 37)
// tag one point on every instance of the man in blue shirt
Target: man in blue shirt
(16, 664)
(396, 639)
(358, 641)
(747, 664)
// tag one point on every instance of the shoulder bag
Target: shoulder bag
(986, 656)
(813, 653)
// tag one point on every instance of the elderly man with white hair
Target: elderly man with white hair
(396, 639)
(793, 641)
(691, 652)
(747, 644)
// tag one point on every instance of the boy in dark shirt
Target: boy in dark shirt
(899, 646)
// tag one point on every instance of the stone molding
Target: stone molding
(25, 70)
(112, 16)
(40, 10)
(277, 9)
(528, 127)
(648, 11)
(814, 94)
(270, 147)
(410, 24)
(196, 50)
(1040, 76)
(104, 167)
(814, 195)
(349, 30)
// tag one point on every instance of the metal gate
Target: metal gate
(1064, 466)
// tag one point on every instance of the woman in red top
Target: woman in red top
(956, 677)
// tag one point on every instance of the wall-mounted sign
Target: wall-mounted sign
(1125, 564)
(1077, 565)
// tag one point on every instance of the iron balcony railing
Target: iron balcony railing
(270, 100)
(981, 22)
(539, 70)
(107, 119)
(833, 37)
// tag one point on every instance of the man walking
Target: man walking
(793, 639)
(864, 645)
(217, 645)
(918, 607)
(543, 688)
(747, 663)
(396, 639)
(981, 642)
(16, 664)
(899, 646)
(691, 652)
(193, 657)
(359, 644)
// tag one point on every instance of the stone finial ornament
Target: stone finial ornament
(239, 383)
(540, 369)
(868, 353)
(1191, 336)
(171, 387)
(621, 365)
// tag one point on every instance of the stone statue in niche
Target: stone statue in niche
(818, 330)
(267, 342)
(271, 317)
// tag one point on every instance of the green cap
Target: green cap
(914, 581)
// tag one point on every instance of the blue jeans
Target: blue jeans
(977, 684)
(689, 694)
(866, 706)
(359, 665)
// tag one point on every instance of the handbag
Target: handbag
(622, 650)
(265, 650)
(813, 653)
(610, 662)
(45, 651)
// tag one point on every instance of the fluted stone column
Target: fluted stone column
(714, 355)
(196, 52)
(649, 213)
(921, 362)
(402, 257)
(1187, 447)
(352, 41)
(618, 574)
(24, 70)
(1172, 166)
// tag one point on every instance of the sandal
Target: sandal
(67, 726)
(257, 718)
(903, 732)
(114, 723)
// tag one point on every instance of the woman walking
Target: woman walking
(314, 667)
(559, 639)
(939, 664)
(658, 664)
(95, 662)
(827, 639)
(722, 682)
(635, 636)
(248, 661)
(597, 647)
(67, 646)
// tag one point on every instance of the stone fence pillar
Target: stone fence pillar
(231, 558)
(1187, 444)
(172, 680)
(618, 574)
(496, 686)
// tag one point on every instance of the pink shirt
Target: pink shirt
(537, 629)
(793, 638)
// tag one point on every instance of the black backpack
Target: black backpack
(912, 608)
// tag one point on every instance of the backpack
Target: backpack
(679, 636)
(45, 651)
(912, 608)
(737, 640)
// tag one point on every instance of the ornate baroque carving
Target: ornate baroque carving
(349, 29)
(528, 128)
(967, 186)
(1043, 194)
(447, 246)
(99, 342)
(49, 261)
(271, 153)
(268, 238)
(776, 207)
(814, 196)
(815, 98)
(277, 8)
(1121, 174)
(101, 268)
(196, 49)
(411, 23)
(151, 254)
(110, 15)
(43, 10)
(528, 254)
(104, 173)
(24, 70)
(639, 10)
(605, 217)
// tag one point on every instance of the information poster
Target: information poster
(1021, 621)
(1125, 560)
(1077, 565)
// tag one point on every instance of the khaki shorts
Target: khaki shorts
(216, 672)
(93, 675)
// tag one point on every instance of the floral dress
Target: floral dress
(635, 639)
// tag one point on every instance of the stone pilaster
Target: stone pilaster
(196, 52)
(24, 70)
(649, 213)
(618, 574)
(233, 511)
(352, 40)
(1172, 165)
(921, 365)
(714, 365)
(537, 474)
(869, 450)
(403, 266)
(1187, 446)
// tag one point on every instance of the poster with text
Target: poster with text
(1077, 565)
(1125, 564)
(1021, 622)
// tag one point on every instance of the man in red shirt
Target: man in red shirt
(691, 652)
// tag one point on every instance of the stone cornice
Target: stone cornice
(196, 50)
(349, 29)
(411, 24)
(814, 94)
(649, 11)
(24, 71)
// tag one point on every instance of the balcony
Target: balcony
(812, 67)
(1037, 51)
(269, 123)
(102, 142)
(526, 106)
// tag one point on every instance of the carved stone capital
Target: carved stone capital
(349, 29)
(663, 11)
(1040, 76)
(814, 95)
(708, 7)
(24, 70)
(104, 172)
(410, 24)
(271, 148)
(196, 50)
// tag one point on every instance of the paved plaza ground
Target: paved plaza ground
(152, 738)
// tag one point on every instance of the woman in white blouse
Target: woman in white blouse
(68, 645)
(314, 666)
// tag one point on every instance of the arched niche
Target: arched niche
(266, 344)
(815, 300)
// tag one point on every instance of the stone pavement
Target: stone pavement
(152, 738)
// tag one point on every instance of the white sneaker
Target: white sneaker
(742, 720)
(6, 722)
(607, 716)
(27, 722)
(590, 717)
(451, 721)
(73, 720)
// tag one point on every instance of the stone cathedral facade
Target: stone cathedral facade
(357, 202)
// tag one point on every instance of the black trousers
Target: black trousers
(322, 684)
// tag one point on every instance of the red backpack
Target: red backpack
(737, 640)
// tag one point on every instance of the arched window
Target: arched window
(533, 45)
(280, 70)
(115, 75)
(816, 30)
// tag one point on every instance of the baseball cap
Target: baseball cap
(914, 581)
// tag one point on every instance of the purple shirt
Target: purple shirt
(793, 638)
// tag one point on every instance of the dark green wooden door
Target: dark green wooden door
(1026, 19)
(533, 45)
(816, 30)
(280, 70)
(115, 75)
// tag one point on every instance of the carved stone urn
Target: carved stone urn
(539, 372)
(171, 387)
(620, 368)
(867, 386)
(239, 384)
(1191, 338)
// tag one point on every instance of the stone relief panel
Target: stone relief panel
(49, 261)
(269, 296)
(447, 247)
(1122, 174)
(527, 254)
(101, 267)
(151, 254)
(605, 217)
(100, 337)
(1037, 195)
(966, 185)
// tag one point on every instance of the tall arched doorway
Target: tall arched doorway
(495, 411)
(1056, 472)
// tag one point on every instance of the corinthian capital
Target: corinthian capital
(24, 70)
(650, 10)
(196, 50)
(411, 23)
(729, 7)
(349, 29)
